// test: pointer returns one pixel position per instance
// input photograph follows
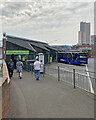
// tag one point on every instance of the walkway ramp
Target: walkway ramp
(47, 98)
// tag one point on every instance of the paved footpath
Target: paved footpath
(47, 98)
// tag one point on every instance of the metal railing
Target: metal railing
(28, 66)
(73, 77)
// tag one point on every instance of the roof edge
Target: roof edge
(25, 39)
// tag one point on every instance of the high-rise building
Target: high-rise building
(92, 38)
(84, 33)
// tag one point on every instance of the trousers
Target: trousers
(37, 73)
(10, 73)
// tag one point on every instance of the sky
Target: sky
(56, 23)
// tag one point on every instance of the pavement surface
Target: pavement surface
(47, 98)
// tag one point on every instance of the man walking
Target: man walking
(10, 68)
(37, 66)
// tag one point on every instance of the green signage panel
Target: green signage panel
(17, 52)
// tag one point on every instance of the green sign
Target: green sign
(17, 52)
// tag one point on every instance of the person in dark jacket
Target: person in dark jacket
(10, 68)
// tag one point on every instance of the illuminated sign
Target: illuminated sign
(17, 52)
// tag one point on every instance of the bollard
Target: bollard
(74, 78)
(58, 74)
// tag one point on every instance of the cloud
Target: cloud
(40, 20)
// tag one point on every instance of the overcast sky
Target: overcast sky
(53, 22)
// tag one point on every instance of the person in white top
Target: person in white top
(37, 66)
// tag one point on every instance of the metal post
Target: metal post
(58, 74)
(43, 70)
(31, 68)
(4, 46)
(74, 78)
(56, 56)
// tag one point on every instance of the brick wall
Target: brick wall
(5, 98)
(0, 102)
(91, 53)
(5, 91)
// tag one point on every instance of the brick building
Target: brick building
(85, 48)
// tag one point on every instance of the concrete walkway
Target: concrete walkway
(47, 98)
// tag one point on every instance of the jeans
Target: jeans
(37, 73)
(10, 73)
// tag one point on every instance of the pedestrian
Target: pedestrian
(10, 68)
(37, 66)
(19, 65)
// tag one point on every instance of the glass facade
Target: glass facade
(85, 30)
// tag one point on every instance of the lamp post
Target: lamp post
(4, 46)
